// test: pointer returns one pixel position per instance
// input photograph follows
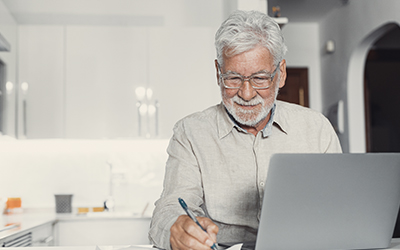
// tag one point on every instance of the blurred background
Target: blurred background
(91, 89)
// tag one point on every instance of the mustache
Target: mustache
(255, 101)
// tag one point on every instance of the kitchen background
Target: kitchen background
(86, 84)
(81, 77)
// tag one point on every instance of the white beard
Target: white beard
(250, 117)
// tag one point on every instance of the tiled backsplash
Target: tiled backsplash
(35, 170)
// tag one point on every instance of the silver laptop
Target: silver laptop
(330, 201)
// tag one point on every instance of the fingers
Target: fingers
(186, 234)
(210, 227)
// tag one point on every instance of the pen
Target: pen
(193, 217)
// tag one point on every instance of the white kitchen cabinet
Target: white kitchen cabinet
(104, 65)
(43, 235)
(40, 235)
(182, 72)
(41, 66)
(82, 79)
(107, 231)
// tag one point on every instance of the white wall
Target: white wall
(95, 69)
(35, 170)
(302, 40)
(8, 29)
(172, 55)
(348, 26)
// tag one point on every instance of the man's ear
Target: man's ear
(282, 69)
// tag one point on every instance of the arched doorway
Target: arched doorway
(373, 92)
(355, 89)
(382, 92)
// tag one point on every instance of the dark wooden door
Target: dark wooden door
(382, 91)
(296, 87)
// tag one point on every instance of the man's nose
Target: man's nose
(247, 92)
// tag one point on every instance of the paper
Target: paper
(137, 247)
(236, 247)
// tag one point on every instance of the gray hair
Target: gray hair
(245, 30)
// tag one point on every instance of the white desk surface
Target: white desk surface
(395, 245)
(138, 247)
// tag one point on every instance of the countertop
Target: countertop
(139, 247)
(28, 221)
(12, 224)
(15, 223)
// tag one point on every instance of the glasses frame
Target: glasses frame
(247, 78)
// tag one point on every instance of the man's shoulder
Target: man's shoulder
(208, 113)
(291, 108)
(289, 115)
(199, 119)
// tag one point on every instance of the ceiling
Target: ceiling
(149, 12)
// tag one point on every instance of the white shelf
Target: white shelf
(281, 21)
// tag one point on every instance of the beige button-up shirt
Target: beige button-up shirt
(219, 169)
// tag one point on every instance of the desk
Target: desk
(395, 245)
(138, 247)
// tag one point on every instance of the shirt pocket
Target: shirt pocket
(231, 199)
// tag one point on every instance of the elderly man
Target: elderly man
(218, 158)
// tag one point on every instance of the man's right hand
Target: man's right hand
(186, 234)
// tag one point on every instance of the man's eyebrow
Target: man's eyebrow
(259, 72)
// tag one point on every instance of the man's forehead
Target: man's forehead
(258, 58)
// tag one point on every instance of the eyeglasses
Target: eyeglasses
(259, 80)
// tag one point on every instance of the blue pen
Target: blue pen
(193, 217)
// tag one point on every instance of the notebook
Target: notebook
(330, 201)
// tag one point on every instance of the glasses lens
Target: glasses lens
(233, 81)
(261, 80)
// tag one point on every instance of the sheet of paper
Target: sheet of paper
(236, 247)
(137, 247)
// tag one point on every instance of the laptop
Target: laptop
(330, 201)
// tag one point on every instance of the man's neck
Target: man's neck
(257, 128)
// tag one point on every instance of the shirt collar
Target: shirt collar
(280, 118)
(226, 123)
(267, 130)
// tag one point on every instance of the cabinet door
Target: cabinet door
(43, 235)
(182, 71)
(104, 65)
(41, 65)
(104, 232)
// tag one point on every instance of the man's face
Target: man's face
(247, 105)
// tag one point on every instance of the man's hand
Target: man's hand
(186, 234)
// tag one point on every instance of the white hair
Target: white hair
(245, 30)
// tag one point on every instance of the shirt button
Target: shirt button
(262, 184)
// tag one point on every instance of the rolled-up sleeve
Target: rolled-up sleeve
(182, 179)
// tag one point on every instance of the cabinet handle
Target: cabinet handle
(47, 239)
(44, 240)
(24, 116)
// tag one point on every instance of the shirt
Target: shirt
(219, 169)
